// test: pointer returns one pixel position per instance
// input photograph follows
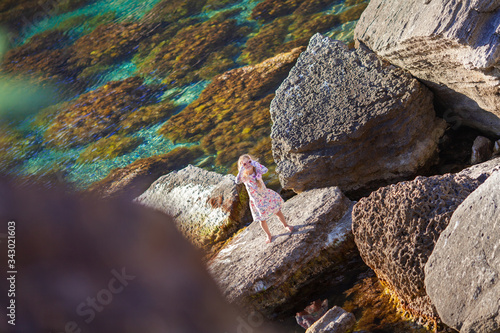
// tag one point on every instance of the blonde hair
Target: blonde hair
(260, 183)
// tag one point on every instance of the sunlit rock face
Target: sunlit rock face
(452, 46)
(266, 277)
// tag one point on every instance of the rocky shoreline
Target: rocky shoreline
(373, 120)
(386, 151)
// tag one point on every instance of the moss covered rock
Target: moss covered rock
(107, 44)
(98, 113)
(108, 148)
(135, 178)
(180, 59)
(231, 116)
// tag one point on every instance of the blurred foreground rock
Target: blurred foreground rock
(467, 257)
(264, 277)
(208, 207)
(397, 226)
(106, 266)
(346, 118)
(452, 46)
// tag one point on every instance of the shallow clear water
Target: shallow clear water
(45, 159)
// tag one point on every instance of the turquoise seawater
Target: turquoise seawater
(44, 159)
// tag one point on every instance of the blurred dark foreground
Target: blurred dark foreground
(89, 265)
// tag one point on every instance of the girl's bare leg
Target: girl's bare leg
(264, 226)
(282, 219)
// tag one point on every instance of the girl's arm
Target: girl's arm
(259, 168)
(239, 177)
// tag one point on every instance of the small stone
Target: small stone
(336, 320)
(481, 150)
(496, 148)
(311, 313)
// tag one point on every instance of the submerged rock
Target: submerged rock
(98, 113)
(231, 116)
(208, 207)
(467, 257)
(397, 226)
(452, 46)
(264, 277)
(336, 320)
(133, 179)
(345, 118)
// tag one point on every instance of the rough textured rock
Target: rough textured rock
(339, 109)
(336, 320)
(264, 277)
(467, 257)
(452, 45)
(485, 168)
(133, 179)
(207, 206)
(396, 227)
(481, 150)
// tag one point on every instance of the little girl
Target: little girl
(264, 202)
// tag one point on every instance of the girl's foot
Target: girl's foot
(269, 239)
(289, 228)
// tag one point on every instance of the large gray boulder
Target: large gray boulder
(462, 274)
(452, 45)
(396, 227)
(265, 277)
(345, 118)
(208, 207)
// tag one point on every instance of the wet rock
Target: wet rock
(396, 228)
(98, 113)
(208, 207)
(264, 277)
(336, 320)
(106, 266)
(311, 313)
(340, 108)
(231, 116)
(481, 150)
(422, 36)
(135, 178)
(466, 256)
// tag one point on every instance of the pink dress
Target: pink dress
(264, 202)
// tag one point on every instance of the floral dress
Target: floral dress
(264, 202)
